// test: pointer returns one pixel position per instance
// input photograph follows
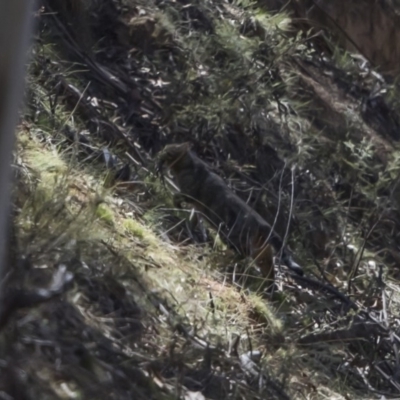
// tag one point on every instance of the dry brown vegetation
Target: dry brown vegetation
(309, 137)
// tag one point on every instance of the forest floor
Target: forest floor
(304, 132)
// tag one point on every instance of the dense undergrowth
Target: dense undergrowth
(308, 139)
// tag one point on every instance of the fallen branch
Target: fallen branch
(323, 287)
(357, 331)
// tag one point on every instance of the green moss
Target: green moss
(105, 213)
(134, 228)
(263, 311)
(45, 161)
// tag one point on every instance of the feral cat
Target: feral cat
(238, 223)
